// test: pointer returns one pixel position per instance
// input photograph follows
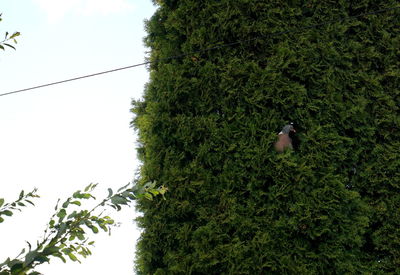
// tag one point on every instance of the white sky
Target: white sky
(61, 138)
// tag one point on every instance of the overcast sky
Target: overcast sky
(61, 138)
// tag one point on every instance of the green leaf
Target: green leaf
(125, 194)
(21, 195)
(66, 251)
(51, 250)
(30, 257)
(77, 195)
(8, 45)
(17, 268)
(110, 193)
(42, 259)
(73, 257)
(29, 245)
(80, 236)
(1, 202)
(102, 226)
(51, 223)
(148, 196)
(62, 229)
(154, 192)
(117, 200)
(30, 202)
(123, 187)
(87, 188)
(150, 184)
(60, 257)
(62, 214)
(7, 213)
(88, 196)
(94, 229)
(110, 221)
(56, 207)
(65, 204)
(22, 251)
(15, 34)
(15, 265)
(72, 215)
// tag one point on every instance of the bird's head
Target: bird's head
(287, 129)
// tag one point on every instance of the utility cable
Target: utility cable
(204, 50)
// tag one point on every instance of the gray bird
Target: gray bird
(284, 140)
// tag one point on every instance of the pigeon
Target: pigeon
(284, 140)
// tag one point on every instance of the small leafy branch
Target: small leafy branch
(23, 199)
(8, 39)
(66, 235)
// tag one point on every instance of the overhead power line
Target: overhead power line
(328, 22)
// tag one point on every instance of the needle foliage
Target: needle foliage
(208, 122)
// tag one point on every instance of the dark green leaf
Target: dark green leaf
(56, 207)
(110, 193)
(30, 202)
(66, 251)
(8, 45)
(14, 263)
(72, 215)
(42, 259)
(80, 236)
(123, 187)
(16, 268)
(65, 204)
(7, 213)
(62, 229)
(51, 250)
(60, 257)
(30, 257)
(61, 214)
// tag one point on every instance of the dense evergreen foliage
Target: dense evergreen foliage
(208, 122)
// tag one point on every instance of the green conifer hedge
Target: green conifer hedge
(208, 122)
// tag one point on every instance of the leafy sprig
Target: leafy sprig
(66, 235)
(8, 38)
(8, 209)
